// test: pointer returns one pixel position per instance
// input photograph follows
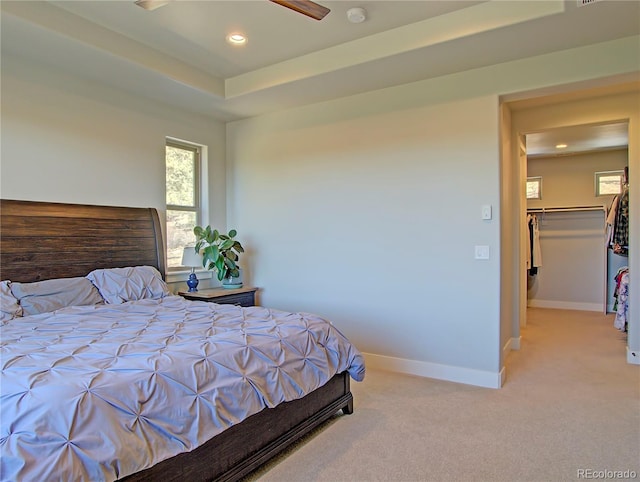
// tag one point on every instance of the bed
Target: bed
(142, 384)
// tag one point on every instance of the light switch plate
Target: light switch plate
(486, 211)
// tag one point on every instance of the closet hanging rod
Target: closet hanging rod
(562, 209)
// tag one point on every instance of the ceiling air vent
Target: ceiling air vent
(582, 3)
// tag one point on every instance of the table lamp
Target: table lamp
(192, 259)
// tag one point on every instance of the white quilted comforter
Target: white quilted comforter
(100, 392)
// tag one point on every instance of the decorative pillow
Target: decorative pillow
(118, 285)
(9, 306)
(53, 294)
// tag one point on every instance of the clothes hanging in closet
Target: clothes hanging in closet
(534, 253)
(621, 296)
(618, 223)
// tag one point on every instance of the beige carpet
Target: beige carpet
(570, 403)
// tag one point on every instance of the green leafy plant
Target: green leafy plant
(219, 251)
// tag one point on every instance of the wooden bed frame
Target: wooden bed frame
(41, 240)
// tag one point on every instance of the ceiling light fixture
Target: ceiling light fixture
(237, 39)
(356, 15)
(561, 146)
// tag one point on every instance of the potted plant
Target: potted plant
(220, 252)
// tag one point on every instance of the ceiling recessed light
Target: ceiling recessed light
(237, 39)
(561, 146)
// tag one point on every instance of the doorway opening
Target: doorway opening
(570, 259)
(524, 118)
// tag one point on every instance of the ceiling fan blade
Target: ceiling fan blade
(305, 7)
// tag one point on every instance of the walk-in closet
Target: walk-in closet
(571, 196)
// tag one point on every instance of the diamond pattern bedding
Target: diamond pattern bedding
(100, 392)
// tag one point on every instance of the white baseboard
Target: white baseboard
(565, 305)
(633, 356)
(511, 344)
(506, 349)
(449, 373)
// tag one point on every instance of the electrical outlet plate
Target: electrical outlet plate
(482, 252)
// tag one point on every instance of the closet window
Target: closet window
(534, 187)
(609, 182)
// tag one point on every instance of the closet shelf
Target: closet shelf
(562, 209)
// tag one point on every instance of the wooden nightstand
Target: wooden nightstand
(245, 296)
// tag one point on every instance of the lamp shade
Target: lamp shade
(190, 257)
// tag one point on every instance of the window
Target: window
(609, 182)
(534, 187)
(182, 162)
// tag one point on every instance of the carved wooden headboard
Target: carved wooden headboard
(42, 240)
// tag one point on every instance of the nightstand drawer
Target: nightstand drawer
(241, 299)
(240, 296)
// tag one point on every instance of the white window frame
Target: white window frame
(599, 175)
(538, 181)
(198, 198)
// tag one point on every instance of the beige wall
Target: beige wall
(509, 196)
(68, 140)
(569, 180)
(371, 221)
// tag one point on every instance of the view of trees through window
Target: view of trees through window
(608, 182)
(183, 204)
(534, 188)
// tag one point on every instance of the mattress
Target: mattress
(103, 391)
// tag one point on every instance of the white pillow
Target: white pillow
(9, 306)
(52, 294)
(118, 285)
